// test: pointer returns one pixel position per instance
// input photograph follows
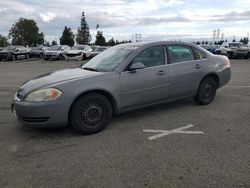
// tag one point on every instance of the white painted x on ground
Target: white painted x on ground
(179, 130)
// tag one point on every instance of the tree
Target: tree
(198, 43)
(26, 32)
(111, 42)
(245, 40)
(83, 35)
(3, 41)
(54, 43)
(100, 40)
(234, 40)
(67, 37)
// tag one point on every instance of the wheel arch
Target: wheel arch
(109, 96)
(214, 76)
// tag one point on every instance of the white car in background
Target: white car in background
(56, 52)
(79, 52)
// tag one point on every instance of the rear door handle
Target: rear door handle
(161, 72)
(197, 66)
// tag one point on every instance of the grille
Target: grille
(34, 119)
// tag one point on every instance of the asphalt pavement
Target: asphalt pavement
(195, 146)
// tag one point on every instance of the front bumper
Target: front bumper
(51, 56)
(74, 57)
(41, 114)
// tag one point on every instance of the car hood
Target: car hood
(55, 77)
(74, 51)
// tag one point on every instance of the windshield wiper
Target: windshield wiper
(90, 69)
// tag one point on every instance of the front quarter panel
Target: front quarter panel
(108, 82)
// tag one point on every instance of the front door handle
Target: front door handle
(161, 72)
(197, 66)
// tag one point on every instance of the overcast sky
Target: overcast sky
(154, 19)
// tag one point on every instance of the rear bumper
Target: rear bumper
(41, 114)
(225, 76)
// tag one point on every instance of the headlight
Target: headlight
(47, 94)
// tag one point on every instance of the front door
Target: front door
(147, 85)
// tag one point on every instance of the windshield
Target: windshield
(78, 48)
(54, 48)
(108, 60)
(235, 44)
(9, 48)
(99, 49)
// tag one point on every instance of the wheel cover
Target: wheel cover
(92, 115)
(207, 91)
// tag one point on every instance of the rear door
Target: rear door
(146, 85)
(185, 69)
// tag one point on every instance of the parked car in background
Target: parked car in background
(94, 46)
(14, 52)
(122, 78)
(37, 51)
(56, 52)
(211, 48)
(1, 48)
(234, 50)
(98, 50)
(79, 52)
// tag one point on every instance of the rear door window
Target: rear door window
(180, 53)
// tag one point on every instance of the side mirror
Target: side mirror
(226, 47)
(135, 66)
(17, 50)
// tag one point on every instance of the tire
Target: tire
(84, 57)
(90, 114)
(206, 91)
(13, 57)
(229, 55)
(46, 59)
(247, 56)
(61, 57)
(27, 56)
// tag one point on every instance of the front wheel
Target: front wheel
(13, 57)
(206, 91)
(90, 114)
(247, 56)
(61, 57)
(229, 55)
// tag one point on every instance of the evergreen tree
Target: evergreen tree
(245, 40)
(111, 42)
(54, 43)
(83, 35)
(234, 40)
(67, 37)
(100, 40)
(3, 41)
(26, 32)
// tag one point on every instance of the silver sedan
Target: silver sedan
(120, 79)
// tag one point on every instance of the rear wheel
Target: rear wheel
(90, 114)
(206, 91)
